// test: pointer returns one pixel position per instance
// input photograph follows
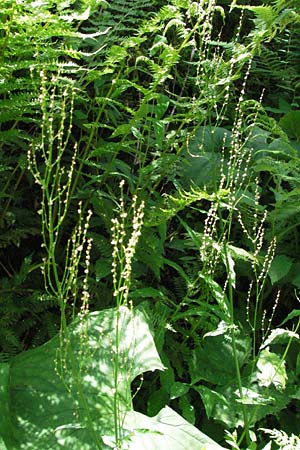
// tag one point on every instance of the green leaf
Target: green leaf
(167, 430)
(102, 268)
(271, 370)
(229, 264)
(122, 130)
(48, 409)
(162, 105)
(24, 270)
(291, 315)
(179, 269)
(279, 336)
(290, 123)
(156, 401)
(2, 445)
(218, 293)
(251, 397)
(64, 393)
(6, 426)
(147, 292)
(241, 254)
(210, 399)
(178, 389)
(201, 160)
(224, 403)
(214, 360)
(187, 409)
(222, 328)
(280, 267)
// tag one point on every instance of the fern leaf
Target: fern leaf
(172, 204)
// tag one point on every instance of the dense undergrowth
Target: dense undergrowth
(149, 162)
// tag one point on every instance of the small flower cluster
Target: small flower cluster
(123, 248)
(209, 252)
(45, 155)
(76, 245)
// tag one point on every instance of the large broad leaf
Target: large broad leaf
(271, 370)
(290, 123)
(224, 403)
(201, 159)
(214, 360)
(280, 267)
(168, 431)
(264, 390)
(74, 391)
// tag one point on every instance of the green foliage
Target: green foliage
(264, 389)
(70, 387)
(165, 100)
(27, 46)
(290, 124)
(275, 68)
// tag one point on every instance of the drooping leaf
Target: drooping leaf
(210, 399)
(222, 328)
(172, 204)
(218, 293)
(187, 409)
(279, 336)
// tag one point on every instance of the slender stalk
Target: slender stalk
(234, 349)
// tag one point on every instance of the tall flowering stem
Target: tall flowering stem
(52, 162)
(124, 241)
(124, 247)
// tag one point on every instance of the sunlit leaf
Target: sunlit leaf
(279, 336)
(67, 396)
(271, 370)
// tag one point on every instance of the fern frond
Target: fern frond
(102, 244)
(173, 204)
(121, 21)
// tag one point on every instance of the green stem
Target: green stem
(116, 378)
(234, 349)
